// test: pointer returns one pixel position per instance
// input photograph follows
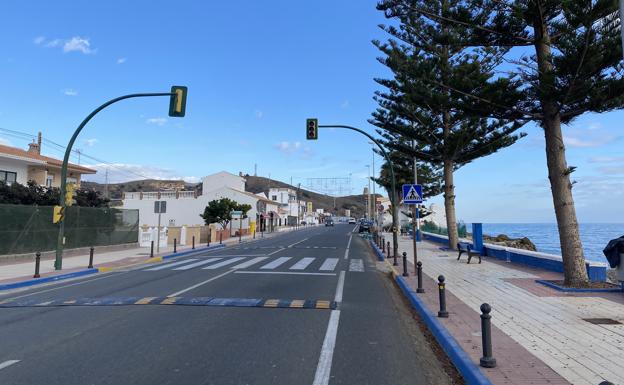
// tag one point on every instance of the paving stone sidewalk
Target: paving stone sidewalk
(540, 335)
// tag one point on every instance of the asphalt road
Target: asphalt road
(304, 307)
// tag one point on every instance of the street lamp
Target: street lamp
(177, 108)
(368, 200)
(374, 203)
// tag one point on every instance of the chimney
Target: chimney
(34, 148)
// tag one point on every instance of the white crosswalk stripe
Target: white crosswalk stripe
(329, 264)
(356, 265)
(168, 265)
(200, 263)
(223, 263)
(279, 261)
(251, 262)
(303, 263)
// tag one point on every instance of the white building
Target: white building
(286, 198)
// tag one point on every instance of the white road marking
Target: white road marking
(275, 263)
(329, 264)
(282, 272)
(8, 363)
(323, 369)
(349, 243)
(346, 255)
(223, 263)
(356, 265)
(199, 284)
(296, 243)
(303, 263)
(251, 262)
(340, 287)
(168, 265)
(192, 265)
(276, 251)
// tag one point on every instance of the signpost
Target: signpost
(160, 207)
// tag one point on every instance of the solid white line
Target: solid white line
(340, 287)
(275, 252)
(223, 263)
(275, 263)
(303, 263)
(296, 243)
(249, 263)
(8, 363)
(168, 265)
(192, 265)
(349, 243)
(329, 264)
(346, 255)
(199, 284)
(282, 272)
(323, 369)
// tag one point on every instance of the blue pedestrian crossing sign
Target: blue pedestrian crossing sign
(412, 194)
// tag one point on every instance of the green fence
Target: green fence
(27, 229)
(430, 227)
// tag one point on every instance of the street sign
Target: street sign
(177, 102)
(412, 194)
(160, 207)
(236, 213)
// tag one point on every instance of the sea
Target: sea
(545, 236)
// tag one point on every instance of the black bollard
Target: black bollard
(606, 383)
(383, 245)
(419, 274)
(441, 286)
(193, 247)
(221, 238)
(152, 250)
(175, 244)
(90, 258)
(487, 361)
(405, 273)
(37, 262)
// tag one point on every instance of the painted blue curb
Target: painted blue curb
(380, 255)
(468, 369)
(37, 281)
(575, 290)
(189, 252)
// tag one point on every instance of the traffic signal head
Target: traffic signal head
(177, 102)
(312, 129)
(58, 214)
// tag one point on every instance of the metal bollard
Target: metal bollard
(152, 250)
(383, 245)
(175, 244)
(90, 258)
(221, 238)
(405, 273)
(419, 274)
(487, 361)
(389, 251)
(441, 286)
(37, 262)
(193, 247)
(606, 383)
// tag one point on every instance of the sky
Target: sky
(255, 71)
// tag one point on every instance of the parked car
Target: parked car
(365, 227)
(351, 221)
(329, 222)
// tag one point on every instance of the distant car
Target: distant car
(303, 223)
(329, 222)
(351, 221)
(365, 227)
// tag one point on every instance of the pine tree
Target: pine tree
(571, 64)
(418, 103)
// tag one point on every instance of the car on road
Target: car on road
(329, 222)
(351, 221)
(365, 227)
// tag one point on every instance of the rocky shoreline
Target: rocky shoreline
(523, 243)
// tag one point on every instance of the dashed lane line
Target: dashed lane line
(8, 363)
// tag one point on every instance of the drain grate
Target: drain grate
(602, 321)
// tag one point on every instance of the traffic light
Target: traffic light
(177, 102)
(59, 214)
(312, 129)
(69, 194)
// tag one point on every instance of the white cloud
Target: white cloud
(79, 44)
(124, 172)
(70, 92)
(121, 60)
(288, 147)
(345, 104)
(90, 142)
(39, 39)
(157, 121)
(587, 141)
(594, 126)
(5, 142)
(606, 159)
(54, 43)
(259, 114)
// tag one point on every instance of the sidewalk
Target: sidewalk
(539, 335)
(15, 272)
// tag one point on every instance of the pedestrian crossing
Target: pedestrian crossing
(263, 263)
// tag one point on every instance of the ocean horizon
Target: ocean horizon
(545, 236)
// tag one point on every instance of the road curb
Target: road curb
(37, 281)
(378, 252)
(468, 369)
(578, 290)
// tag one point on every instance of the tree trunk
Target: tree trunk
(449, 204)
(574, 271)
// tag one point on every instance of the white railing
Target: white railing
(151, 234)
(154, 195)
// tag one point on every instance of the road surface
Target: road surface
(304, 307)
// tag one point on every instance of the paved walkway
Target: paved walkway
(539, 335)
(13, 272)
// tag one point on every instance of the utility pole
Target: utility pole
(106, 184)
(416, 213)
(374, 202)
(368, 202)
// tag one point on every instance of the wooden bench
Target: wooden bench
(466, 248)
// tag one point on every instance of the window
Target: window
(49, 180)
(274, 197)
(8, 177)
